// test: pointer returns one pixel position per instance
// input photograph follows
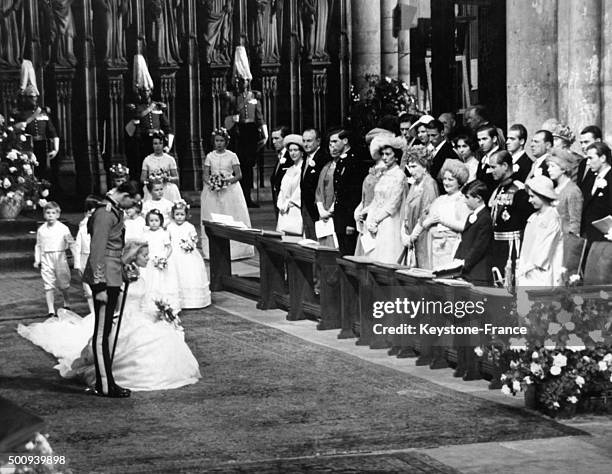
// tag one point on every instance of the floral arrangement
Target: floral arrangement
(189, 245)
(39, 458)
(382, 97)
(165, 312)
(157, 176)
(161, 263)
(119, 170)
(218, 181)
(561, 378)
(18, 184)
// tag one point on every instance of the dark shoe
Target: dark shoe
(394, 350)
(51, 315)
(67, 308)
(115, 392)
(406, 353)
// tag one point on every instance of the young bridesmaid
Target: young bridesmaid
(160, 162)
(160, 277)
(135, 224)
(157, 201)
(193, 284)
(222, 194)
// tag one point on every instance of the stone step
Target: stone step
(15, 242)
(16, 261)
(21, 225)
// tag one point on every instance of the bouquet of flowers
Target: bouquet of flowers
(157, 176)
(218, 181)
(189, 245)
(165, 312)
(18, 185)
(161, 263)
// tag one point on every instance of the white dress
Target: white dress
(192, 276)
(161, 283)
(150, 355)
(166, 163)
(229, 201)
(134, 228)
(290, 193)
(385, 208)
(162, 205)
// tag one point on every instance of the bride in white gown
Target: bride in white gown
(151, 354)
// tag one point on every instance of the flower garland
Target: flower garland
(165, 312)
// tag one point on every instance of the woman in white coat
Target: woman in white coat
(289, 198)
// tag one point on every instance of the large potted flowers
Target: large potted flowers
(19, 187)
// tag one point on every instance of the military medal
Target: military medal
(505, 215)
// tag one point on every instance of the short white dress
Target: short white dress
(192, 277)
(162, 284)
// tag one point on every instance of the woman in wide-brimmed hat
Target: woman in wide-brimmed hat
(541, 259)
(382, 220)
(289, 202)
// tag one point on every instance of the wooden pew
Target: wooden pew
(221, 278)
(353, 283)
(274, 288)
(304, 263)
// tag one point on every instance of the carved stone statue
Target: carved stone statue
(313, 28)
(265, 30)
(111, 19)
(61, 32)
(166, 31)
(218, 35)
(12, 33)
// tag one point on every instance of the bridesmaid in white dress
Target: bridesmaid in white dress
(158, 160)
(193, 284)
(228, 200)
(384, 221)
(151, 353)
(289, 200)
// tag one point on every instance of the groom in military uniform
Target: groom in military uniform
(103, 272)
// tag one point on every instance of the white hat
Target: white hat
(424, 120)
(375, 132)
(543, 186)
(27, 85)
(384, 141)
(241, 64)
(142, 78)
(293, 138)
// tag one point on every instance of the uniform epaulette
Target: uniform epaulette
(131, 106)
(161, 105)
(519, 184)
(47, 110)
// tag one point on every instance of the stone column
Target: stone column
(366, 51)
(606, 70)
(531, 52)
(403, 46)
(563, 56)
(388, 42)
(584, 93)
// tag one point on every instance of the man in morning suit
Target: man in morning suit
(442, 150)
(488, 143)
(541, 144)
(598, 197)
(103, 273)
(312, 165)
(283, 162)
(589, 135)
(515, 144)
(350, 172)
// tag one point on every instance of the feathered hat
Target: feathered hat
(27, 85)
(241, 64)
(142, 78)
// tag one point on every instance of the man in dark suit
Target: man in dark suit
(598, 197)
(515, 144)
(541, 144)
(589, 135)
(350, 172)
(283, 162)
(443, 150)
(488, 143)
(476, 237)
(313, 163)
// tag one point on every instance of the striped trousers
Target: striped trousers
(102, 343)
